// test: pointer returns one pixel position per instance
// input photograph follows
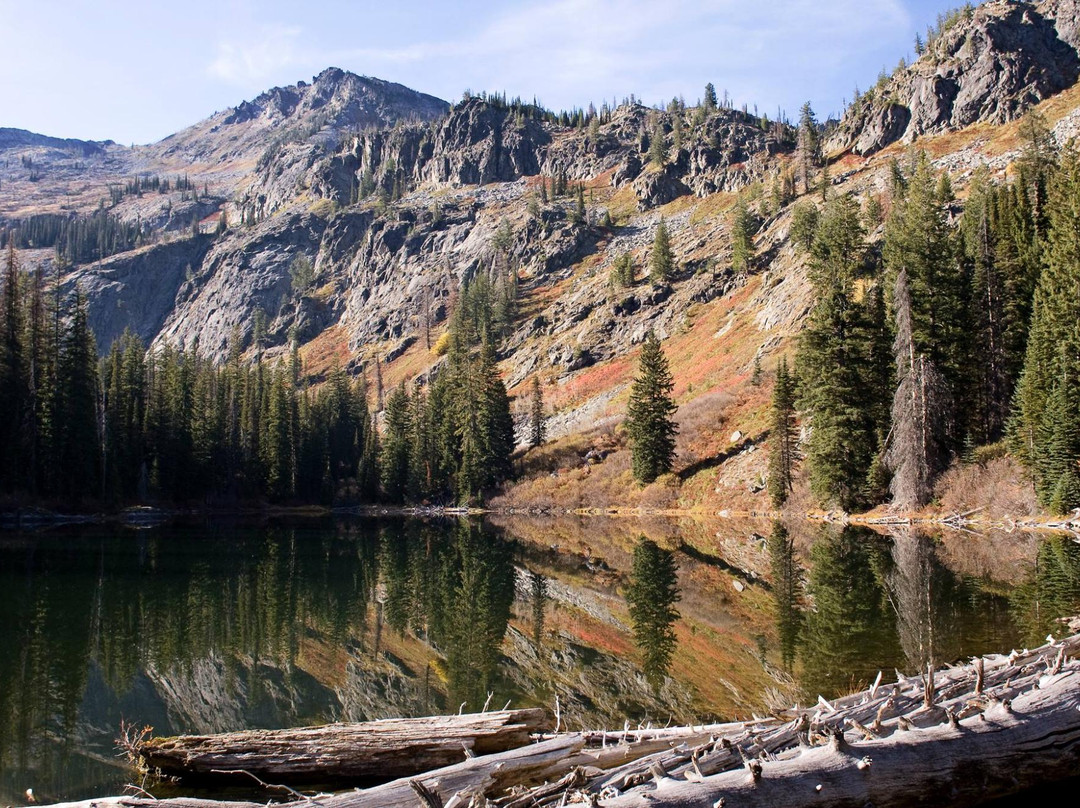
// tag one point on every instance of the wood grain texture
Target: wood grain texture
(337, 753)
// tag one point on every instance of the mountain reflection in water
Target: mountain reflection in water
(214, 627)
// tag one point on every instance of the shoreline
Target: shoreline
(147, 516)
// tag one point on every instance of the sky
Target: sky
(135, 71)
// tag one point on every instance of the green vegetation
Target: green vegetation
(661, 259)
(649, 414)
(76, 239)
(173, 426)
(537, 427)
(783, 437)
(742, 236)
(1002, 284)
(622, 271)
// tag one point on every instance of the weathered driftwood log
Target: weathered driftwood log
(336, 753)
(485, 776)
(1006, 748)
(968, 734)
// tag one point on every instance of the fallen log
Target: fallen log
(342, 753)
(965, 735)
(482, 776)
(1001, 751)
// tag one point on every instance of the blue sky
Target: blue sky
(137, 70)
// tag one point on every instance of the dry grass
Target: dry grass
(713, 206)
(328, 349)
(1001, 486)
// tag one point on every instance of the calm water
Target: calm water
(203, 628)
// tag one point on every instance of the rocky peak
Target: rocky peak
(987, 64)
(336, 101)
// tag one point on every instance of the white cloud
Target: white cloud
(257, 56)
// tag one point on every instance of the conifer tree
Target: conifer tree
(79, 438)
(833, 363)
(919, 449)
(1057, 447)
(661, 259)
(992, 388)
(537, 426)
(710, 97)
(918, 240)
(804, 224)
(742, 236)
(622, 271)
(1053, 323)
(808, 145)
(394, 457)
(649, 416)
(782, 436)
(12, 373)
(658, 149)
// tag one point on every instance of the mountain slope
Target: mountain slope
(396, 200)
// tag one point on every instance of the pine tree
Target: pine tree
(918, 240)
(658, 149)
(578, 216)
(742, 236)
(1057, 446)
(808, 154)
(79, 438)
(782, 436)
(1055, 314)
(661, 259)
(649, 415)
(710, 97)
(12, 372)
(537, 426)
(804, 224)
(993, 383)
(833, 363)
(622, 271)
(394, 458)
(498, 423)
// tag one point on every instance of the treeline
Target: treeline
(174, 426)
(960, 334)
(454, 438)
(154, 183)
(76, 239)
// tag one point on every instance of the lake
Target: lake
(225, 625)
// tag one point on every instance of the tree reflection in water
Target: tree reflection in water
(651, 595)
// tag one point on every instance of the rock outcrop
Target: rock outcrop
(335, 102)
(138, 290)
(989, 64)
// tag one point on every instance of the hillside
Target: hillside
(396, 199)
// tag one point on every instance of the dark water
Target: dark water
(202, 628)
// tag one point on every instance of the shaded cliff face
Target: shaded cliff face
(987, 66)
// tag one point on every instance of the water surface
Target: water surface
(222, 626)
